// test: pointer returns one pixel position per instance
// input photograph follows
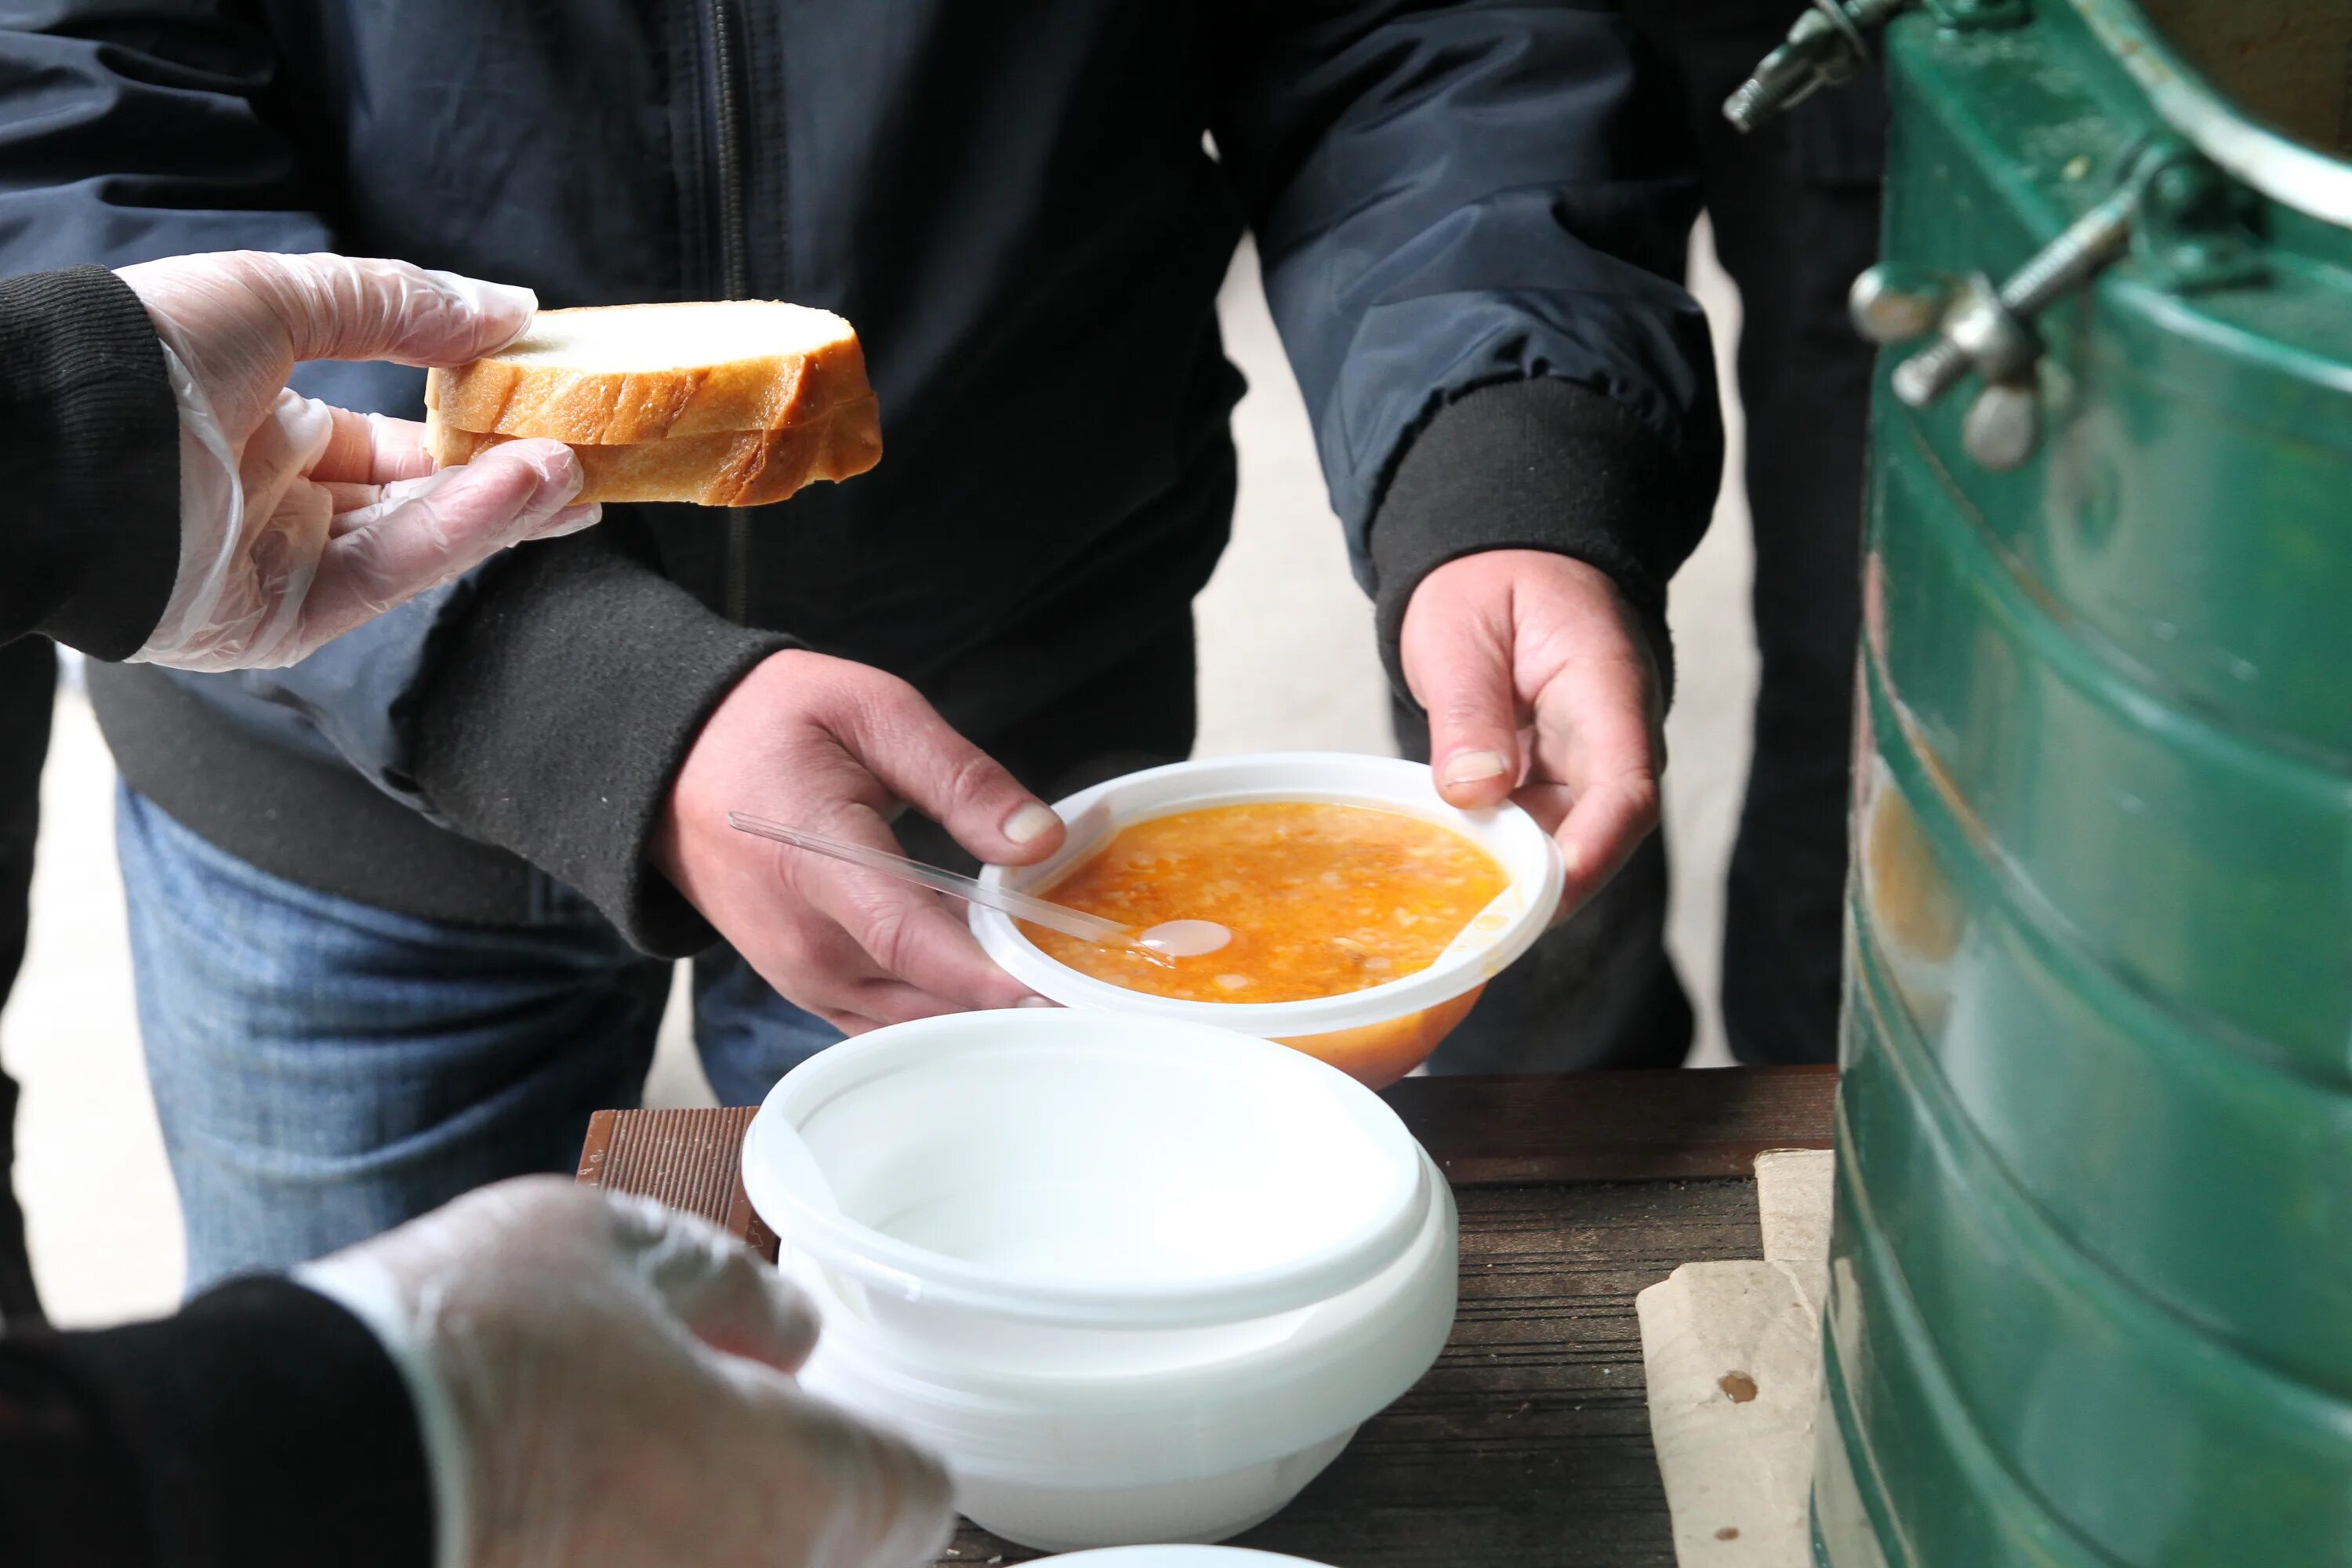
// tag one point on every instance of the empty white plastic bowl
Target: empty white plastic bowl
(1135, 1280)
(999, 1180)
(1376, 1035)
(1193, 1450)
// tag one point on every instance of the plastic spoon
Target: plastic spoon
(1168, 940)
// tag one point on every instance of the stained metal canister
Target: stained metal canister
(2091, 1297)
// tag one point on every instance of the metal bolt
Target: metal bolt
(1946, 362)
(2193, 228)
(2179, 189)
(1813, 56)
(2067, 262)
(1824, 48)
(2001, 346)
(1886, 313)
(1931, 373)
(1998, 325)
(2003, 426)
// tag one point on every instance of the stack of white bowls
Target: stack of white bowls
(1135, 1280)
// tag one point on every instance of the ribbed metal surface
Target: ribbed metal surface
(2092, 1280)
(690, 1160)
(686, 1159)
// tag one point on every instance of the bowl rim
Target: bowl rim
(1247, 1405)
(921, 1275)
(1391, 783)
(1314, 1342)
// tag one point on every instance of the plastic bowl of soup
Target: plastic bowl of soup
(1367, 913)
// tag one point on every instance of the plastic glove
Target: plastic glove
(602, 1380)
(299, 521)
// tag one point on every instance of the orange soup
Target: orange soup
(1321, 899)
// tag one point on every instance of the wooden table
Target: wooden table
(1529, 1442)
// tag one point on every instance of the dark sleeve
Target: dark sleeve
(263, 1426)
(561, 710)
(1470, 217)
(1541, 464)
(89, 464)
(542, 703)
(131, 129)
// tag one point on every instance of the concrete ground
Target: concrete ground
(1287, 663)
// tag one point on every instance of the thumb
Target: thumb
(726, 1298)
(1459, 667)
(921, 759)
(361, 307)
(425, 531)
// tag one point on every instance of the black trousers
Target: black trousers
(1794, 208)
(28, 687)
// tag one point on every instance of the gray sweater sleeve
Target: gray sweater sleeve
(560, 711)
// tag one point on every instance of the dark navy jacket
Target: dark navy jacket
(1467, 214)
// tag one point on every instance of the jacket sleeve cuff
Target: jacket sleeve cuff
(1542, 464)
(92, 455)
(262, 1427)
(559, 713)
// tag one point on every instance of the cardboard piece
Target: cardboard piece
(1793, 1188)
(1732, 1354)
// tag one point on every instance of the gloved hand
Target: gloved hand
(297, 521)
(602, 1380)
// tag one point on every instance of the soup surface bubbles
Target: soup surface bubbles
(1321, 899)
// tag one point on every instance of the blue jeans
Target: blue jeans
(324, 1069)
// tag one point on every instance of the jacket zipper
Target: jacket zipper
(734, 241)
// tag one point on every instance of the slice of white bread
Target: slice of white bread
(610, 375)
(730, 468)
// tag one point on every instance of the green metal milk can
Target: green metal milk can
(2091, 1285)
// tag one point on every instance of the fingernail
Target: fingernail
(508, 307)
(511, 297)
(1471, 767)
(491, 299)
(560, 475)
(1036, 1002)
(572, 519)
(1030, 822)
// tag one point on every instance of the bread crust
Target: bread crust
(740, 468)
(762, 392)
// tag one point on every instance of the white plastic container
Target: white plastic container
(1137, 1280)
(1377, 1035)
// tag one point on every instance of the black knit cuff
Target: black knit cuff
(91, 462)
(1543, 464)
(559, 715)
(263, 1425)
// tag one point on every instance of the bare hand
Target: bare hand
(835, 748)
(1540, 688)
